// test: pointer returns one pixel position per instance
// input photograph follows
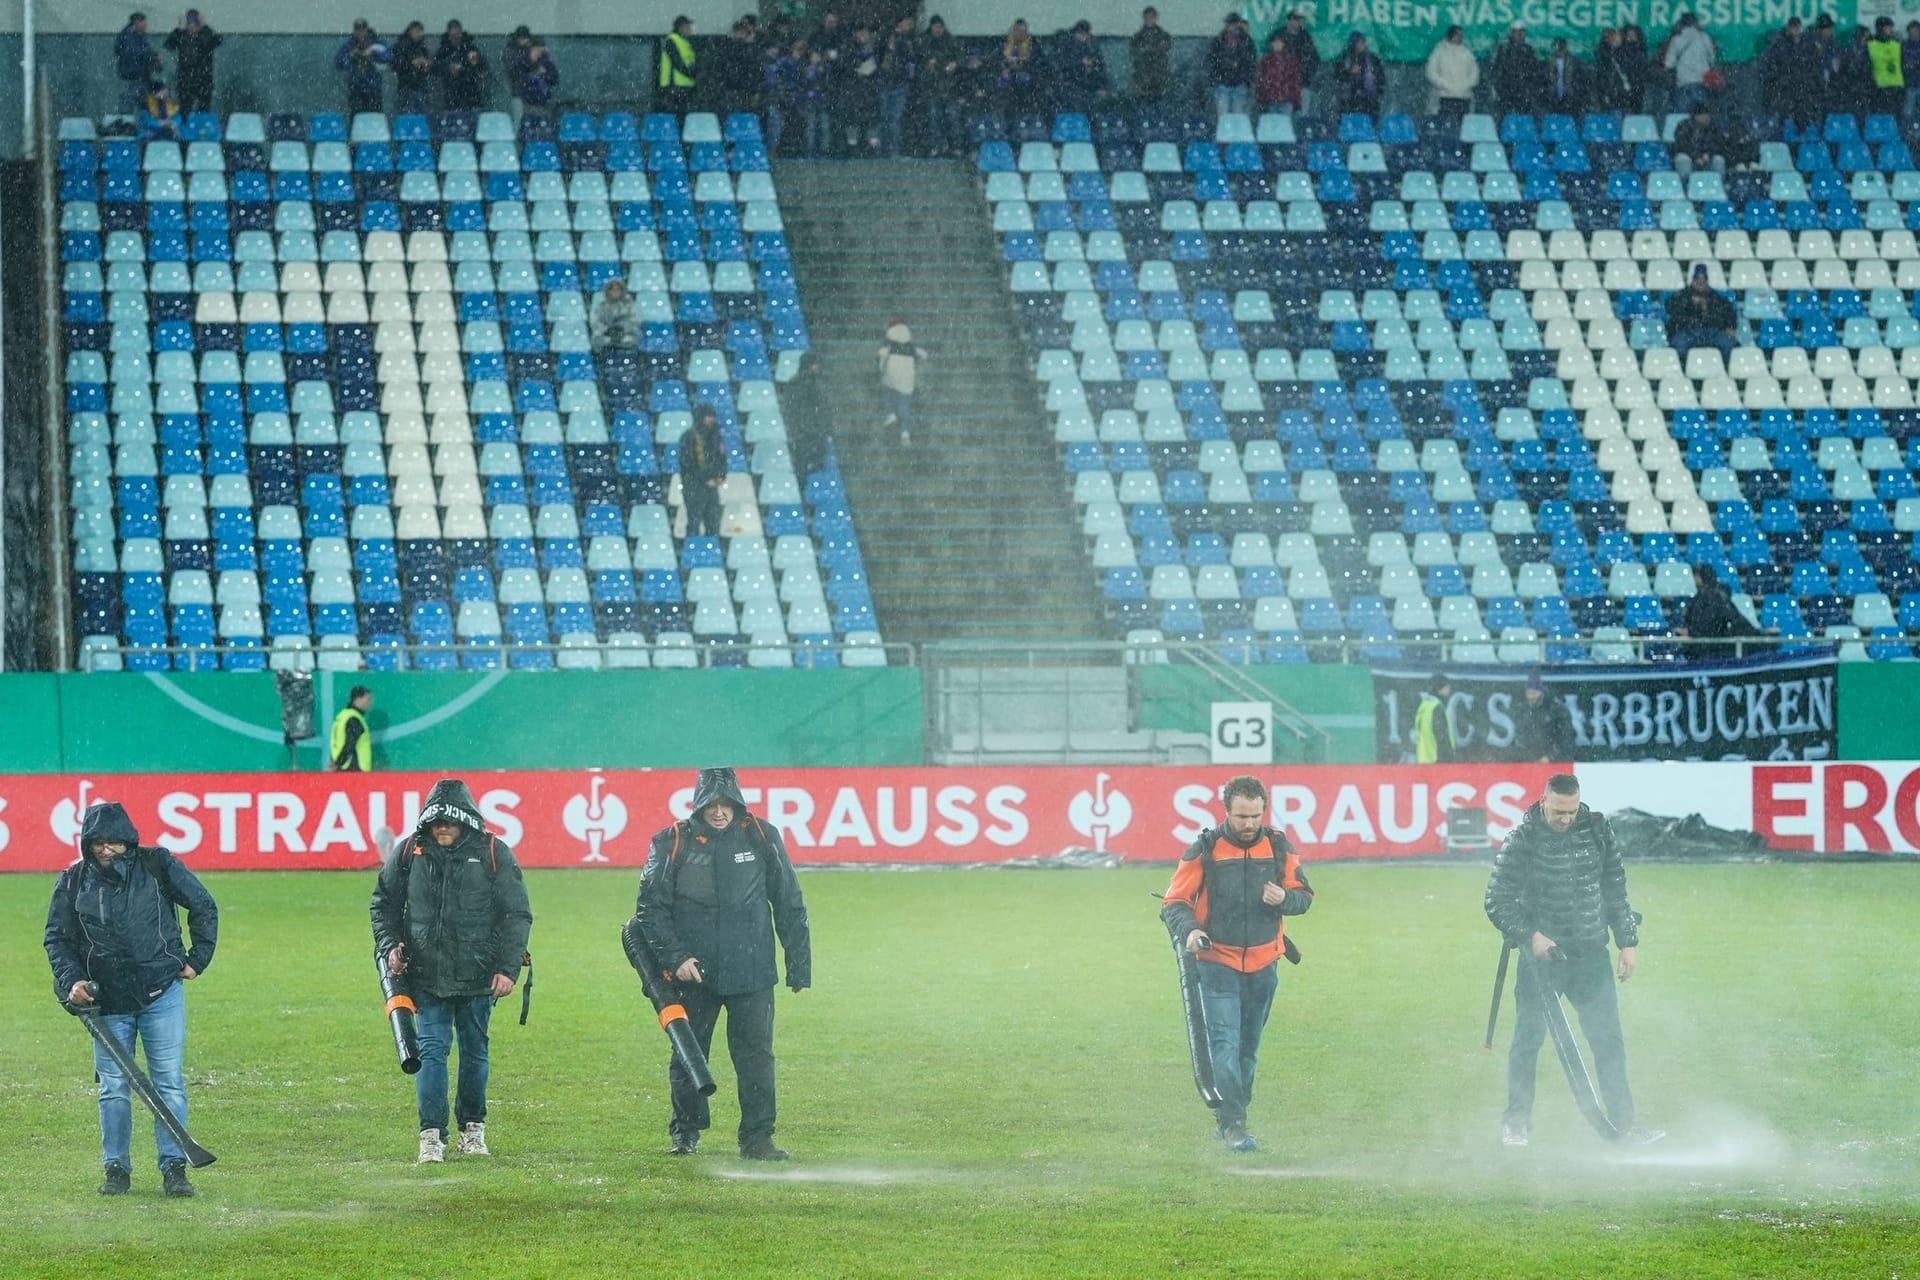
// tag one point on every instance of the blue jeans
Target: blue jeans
(893, 115)
(899, 406)
(774, 126)
(943, 125)
(438, 1022)
(1687, 339)
(162, 1028)
(1686, 97)
(1236, 1005)
(819, 130)
(1231, 99)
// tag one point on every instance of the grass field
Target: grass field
(990, 1079)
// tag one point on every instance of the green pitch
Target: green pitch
(990, 1079)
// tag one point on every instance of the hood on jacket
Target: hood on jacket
(716, 785)
(450, 801)
(106, 820)
(898, 332)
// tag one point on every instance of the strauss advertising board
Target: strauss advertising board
(827, 816)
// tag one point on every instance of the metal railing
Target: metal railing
(706, 655)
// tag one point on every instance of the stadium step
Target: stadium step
(964, 532)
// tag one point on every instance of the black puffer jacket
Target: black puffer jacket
(118, 923)
(705, 895)
(1569, 886)
(461, 911)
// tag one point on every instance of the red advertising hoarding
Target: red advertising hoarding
(588, 818)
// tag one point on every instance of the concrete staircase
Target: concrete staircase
(967, 532)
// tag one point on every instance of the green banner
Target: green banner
(1879, 711)
(1406, 30)
(223, 721)
(1337, 699)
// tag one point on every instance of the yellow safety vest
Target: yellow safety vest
(1884, 57)
(676, 74)
(1426, 746)
(362, 759)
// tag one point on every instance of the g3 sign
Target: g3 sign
(1242, 733)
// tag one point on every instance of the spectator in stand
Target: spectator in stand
(134, 63)
(359, 59)
(1542, 727)
(779, 98)
(1230, 68)
(1517, 73)
(193, 43)
(1850, 83)
(979, 81)
(1612, 88)
(1563, 91)
(859, 112)
(900, 376)
(941, 56)
(674, 84)
(703, 469)
(899, 61)
(1019, 79)
(536, 90)
(513, 67)
(808, 416)
(462, 69)
(1713, 616)
(1910, 72)
(829, 41)
(1790, 75)
(1362, 77)
(1825, 58)
(614, 322)
(1885, 64)
(1690, 58)
(1699, 317)
(1083, 72)
(412, 71)
(814, 94)
(1300, 44)
(1452, 75)
(739, 71)
(1151, 53)
(1635, 64)
(1277, 87)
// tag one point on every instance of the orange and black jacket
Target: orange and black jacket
(1217, 888)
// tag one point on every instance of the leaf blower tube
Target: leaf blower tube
(400, 1011)
(660, 989)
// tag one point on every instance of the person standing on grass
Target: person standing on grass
(716, 890)
(1558, 888)
(450, 912)
(1230, 893)
(350, 745)
(114, 921)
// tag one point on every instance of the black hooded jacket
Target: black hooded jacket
(705, 895)
(1570, 886)
(118, 924)
(461, 911)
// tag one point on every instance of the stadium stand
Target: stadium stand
(1338, 388)
(331, 399)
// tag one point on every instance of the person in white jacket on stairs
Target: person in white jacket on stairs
(900, 376)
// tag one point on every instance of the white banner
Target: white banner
(1813, 807)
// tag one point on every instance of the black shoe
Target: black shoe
(117, 1182)
(1237, 1138)
(173, 1181)
(763, 1150)
(684, 1144)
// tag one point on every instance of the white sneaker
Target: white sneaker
(473, 1140)
(432, 1149)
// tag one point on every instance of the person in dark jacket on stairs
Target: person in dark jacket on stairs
(114, 921)
(703, 469)
(808, 416)
(717, 889)
(450, 912)
(1558, 888)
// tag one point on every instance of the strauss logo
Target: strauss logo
(1100, 814)
(65, 818)
(595, 818)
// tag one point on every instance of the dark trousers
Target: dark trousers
(1586, 979)
(749, 1043)
(1236, 1005)
(703, 510)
